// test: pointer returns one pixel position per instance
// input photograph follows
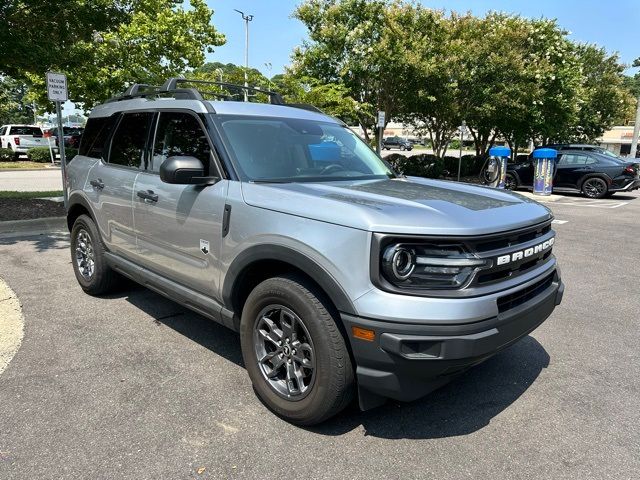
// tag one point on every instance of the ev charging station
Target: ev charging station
(545, 163)
(496, 169)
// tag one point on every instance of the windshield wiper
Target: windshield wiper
(265, 180)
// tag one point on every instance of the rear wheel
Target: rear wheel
(294, 352)
(87, 256)
(510, 182)
(594, 187)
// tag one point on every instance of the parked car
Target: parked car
(72, 136)
(20, 138)
(591, 172)
(397, 142)
(343, 278)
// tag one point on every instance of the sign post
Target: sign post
(57, 92)
(380, 131)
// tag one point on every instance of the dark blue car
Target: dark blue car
(594, 173)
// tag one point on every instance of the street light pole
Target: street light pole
(462, 127)
(247, 19)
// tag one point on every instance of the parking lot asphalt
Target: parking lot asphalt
(134, 386)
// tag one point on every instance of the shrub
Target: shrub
(422, 165)
(39, 154)
(454, 144)
(69, 153)
(6, 155)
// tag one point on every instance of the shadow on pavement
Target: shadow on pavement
(41, 242)
(205, 332)
(465, 405)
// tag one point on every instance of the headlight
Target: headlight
(424, 266)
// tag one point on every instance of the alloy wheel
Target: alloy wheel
(594, 188)
(85, 257)
(284, 351)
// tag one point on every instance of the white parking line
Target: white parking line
(559, 222)
(595, 204)
(11, 325)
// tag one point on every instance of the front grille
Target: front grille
(518, 298)
(507, 243)
(507, 240)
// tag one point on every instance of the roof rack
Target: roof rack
(170, 88)
(172, 83)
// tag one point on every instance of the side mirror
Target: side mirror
(184, 171)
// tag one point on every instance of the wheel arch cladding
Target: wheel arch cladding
(281, 259)
(78, 205)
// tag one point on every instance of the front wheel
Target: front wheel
(294, 352)
(594, 187)
(87, 256)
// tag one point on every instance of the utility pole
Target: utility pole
(247, 19)
(636, 131)
(268, 66)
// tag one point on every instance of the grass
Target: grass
(23, 195)
(23, 164)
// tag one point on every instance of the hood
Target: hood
(402, 205)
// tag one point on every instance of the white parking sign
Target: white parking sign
(57, 87)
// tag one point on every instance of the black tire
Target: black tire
(331, 383)
(510, 182)
(594, 187)
(402, 148)
(102, 280)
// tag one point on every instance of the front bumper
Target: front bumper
(409, 360)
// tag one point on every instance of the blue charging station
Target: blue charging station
(497, 166)
(544, 166)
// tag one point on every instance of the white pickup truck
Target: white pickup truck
(21, 138)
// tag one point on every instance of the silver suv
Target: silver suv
(343, 278)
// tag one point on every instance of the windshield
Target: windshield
(296, 150)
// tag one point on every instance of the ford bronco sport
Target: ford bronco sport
(343, 278)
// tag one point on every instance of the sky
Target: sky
(273, 34)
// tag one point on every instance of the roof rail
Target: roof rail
(170, 88)
(172, 83)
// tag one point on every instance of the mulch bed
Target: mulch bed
(29, 208)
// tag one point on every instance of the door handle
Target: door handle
(148, 195)
(97, 183)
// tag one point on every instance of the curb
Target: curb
(36, 226)
(28, 169)
(11, 325)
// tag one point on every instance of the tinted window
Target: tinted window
(179, 134)
(129, 140)
(591, 161)
(572, 159)
(95, 136)
(33, 131)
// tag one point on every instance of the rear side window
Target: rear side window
(96, 133)
(179, 134)
(30, 131)
(128, 144)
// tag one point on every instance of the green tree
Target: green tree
(604, 100)
(357, 44)
(14, 107)
(108, 45)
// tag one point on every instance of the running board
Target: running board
(199, 303)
